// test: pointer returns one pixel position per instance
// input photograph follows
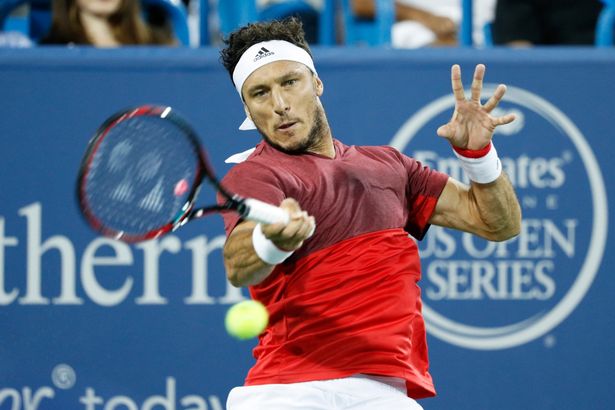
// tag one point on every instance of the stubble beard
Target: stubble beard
(313, 140)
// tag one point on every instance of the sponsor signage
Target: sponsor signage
(487, 295)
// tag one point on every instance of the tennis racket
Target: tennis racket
(141, 174)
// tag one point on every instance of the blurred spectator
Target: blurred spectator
(545, 22)
(430, 22)
(104, 23)
(308, 17)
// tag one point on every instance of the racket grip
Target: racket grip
(265, 213)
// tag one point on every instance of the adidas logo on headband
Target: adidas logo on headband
(262, 53)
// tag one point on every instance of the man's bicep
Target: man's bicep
(453, 207)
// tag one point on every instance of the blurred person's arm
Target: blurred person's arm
(444, 28)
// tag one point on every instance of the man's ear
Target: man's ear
(318, 85)
(245, 109)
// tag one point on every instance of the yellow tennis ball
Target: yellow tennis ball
(247, 319)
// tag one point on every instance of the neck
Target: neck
(98, 30)
(325, 146)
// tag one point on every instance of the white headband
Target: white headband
(264, 53)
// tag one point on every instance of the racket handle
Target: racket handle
(263, 212)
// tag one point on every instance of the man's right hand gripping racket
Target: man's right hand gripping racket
(141, 174)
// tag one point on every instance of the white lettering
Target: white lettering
(540, 274)
(483, 275)
(557, 172)
(104, 256)
(6, 241)
(566, 243)
(438, 244)
(214, 402)
(538, 169)
(523, 171)
(536, 241)
(122, 257)
(200, 251)
(502, 280)
(502, 247)
(458, 280)
(167, 401)
(435, 278)
(13, 395)
(151, 259)
(197, 401)
(468, 245)
(90, 400)
(121, 401)
(36, 249)
(529, 239)
(32, 402)
(521, 278)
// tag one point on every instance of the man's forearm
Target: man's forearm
(497, 206)
(243, 265)
(251, 251)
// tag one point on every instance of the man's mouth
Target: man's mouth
(286, 125)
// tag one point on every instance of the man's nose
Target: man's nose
(280, 103)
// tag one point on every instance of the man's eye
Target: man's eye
(290, 82)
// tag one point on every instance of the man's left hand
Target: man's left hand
(472, 125)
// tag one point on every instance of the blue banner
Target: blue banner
(93, 324)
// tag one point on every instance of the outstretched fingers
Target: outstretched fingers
(493, 102)
(477, 83)
(456, 83)
(475, 89)
(495, 98)
(503, 120)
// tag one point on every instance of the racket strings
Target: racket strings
(141, 176)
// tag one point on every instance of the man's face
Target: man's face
(282, 100)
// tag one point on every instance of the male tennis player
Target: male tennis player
(340, 279)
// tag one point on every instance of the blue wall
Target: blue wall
(524, 324)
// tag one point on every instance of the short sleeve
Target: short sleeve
(423, 189)
(250, 180)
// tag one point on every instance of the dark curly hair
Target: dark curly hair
(289, 29)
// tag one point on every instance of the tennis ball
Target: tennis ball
(247, 319)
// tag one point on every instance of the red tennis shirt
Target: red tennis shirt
(347, 301)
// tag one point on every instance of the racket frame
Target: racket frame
(255, 210)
